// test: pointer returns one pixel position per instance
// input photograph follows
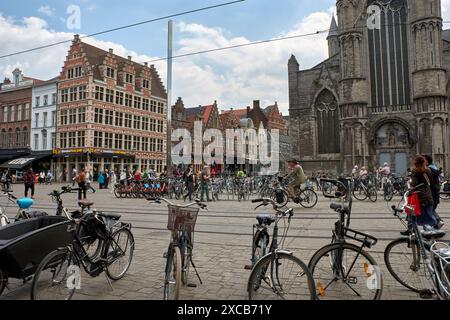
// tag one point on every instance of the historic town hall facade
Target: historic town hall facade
(381, 96)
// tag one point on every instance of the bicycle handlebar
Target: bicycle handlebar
(197, 202)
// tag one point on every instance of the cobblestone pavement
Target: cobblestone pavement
(222, 245)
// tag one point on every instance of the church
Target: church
(381, 96)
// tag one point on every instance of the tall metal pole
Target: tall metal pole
(169, 97)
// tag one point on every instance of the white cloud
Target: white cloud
(47, 10)
(445, 11)
(233, 77)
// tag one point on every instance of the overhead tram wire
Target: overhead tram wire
(122, 28)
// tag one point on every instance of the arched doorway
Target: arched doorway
(392, 144)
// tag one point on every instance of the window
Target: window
(146, 84)
(109, 116)
(19, 112)
(160, 126)
(70, 73)
(160, 145)
(137, 102)
(152, 145)
(118, 141)
(99, 93)
(153, 106)
(108, 140)
(64, 117)
(46, 100)
(110, 73)
(160, 108)
(109, 95)
(145, 104)
(128, 120)
(72, 139)
(82, 115)
(127, 145)
(36, 142)
(136, 143)
(145, 123)
(53, 140)
(128, 78)
(119, 98)
(119, 119)
(137, 122)
(63, 140)
(81, 138)
(72, 116)
(36, 120)
(38, 101)
(98, 115)
(82, 93)
(44, 139)
(53, 118)
(54, 98)
(128, 100)
(65, 95)
(45, 119)
(98, 139)
(145, 144)
(77, 72)
(153, 125)
(73, 94)
(27, 112)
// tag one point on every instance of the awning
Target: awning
(21, 163)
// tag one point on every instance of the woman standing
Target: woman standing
(421, 175)
(101, 180)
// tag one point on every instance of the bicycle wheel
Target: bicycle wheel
(172, 281)
(388, 193)
(186, 257)
(56, 277)
(404, 262)
(344, 271)
(360, 193)
(117, 193)
(3, 280)
(290, 279)
(373, 194)
(308, 198)
(120, 254)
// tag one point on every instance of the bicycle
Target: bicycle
(58, 274)
(339, 267)
(181, 223)
(362, 191)
(412, 261)
(268, 276)
(306, 197)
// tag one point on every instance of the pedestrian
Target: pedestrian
(89, 180)
(355, 171)
(113, 180)
(204, 184)
(189, 178)
(421, 175)
(385, 171)
(101, 180)
(435, 187)
(81, 179)
(106, 175)
(123, 177)
(29, 182)
(6, 180)
(74, 174)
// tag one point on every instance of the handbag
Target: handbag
(413, 205)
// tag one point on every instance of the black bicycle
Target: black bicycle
(276, 273)
(58, 275)
(343, 270)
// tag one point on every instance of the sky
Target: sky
(234, 78)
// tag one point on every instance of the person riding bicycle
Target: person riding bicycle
(240, 174)
(298, 178)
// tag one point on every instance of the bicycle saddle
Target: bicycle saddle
(265, 219)
(85, 204)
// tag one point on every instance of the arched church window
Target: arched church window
(327, 123)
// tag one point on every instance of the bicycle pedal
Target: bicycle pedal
(248, 267)
(192, 285)
(426, 294)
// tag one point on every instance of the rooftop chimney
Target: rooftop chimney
(111, 51)
(129, 58)
(77, 37)
(146, 64)
(256, 104)
(6, 81)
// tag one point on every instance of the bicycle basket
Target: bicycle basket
(182, 219)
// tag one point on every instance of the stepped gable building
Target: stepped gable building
(381, 96)
(112, 113)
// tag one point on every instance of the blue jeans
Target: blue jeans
(427, 217)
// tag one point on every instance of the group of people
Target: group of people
(192, 179)
(6, 180)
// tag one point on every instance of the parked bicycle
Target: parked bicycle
(179, 256)
(364, 189)
(276, 273)
(418, 261)
(24, 210)
(343, 270)
(58, 275)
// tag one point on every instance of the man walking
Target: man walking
(29, 181)
(204, 184)
(435, 186)
(189, 178)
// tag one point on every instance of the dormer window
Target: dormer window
(110, 73)
(128, 78)
(146, 84)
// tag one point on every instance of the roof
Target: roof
(240, 113)
(201, 111)
(96, 56)
(333, 28)
(50, 81)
